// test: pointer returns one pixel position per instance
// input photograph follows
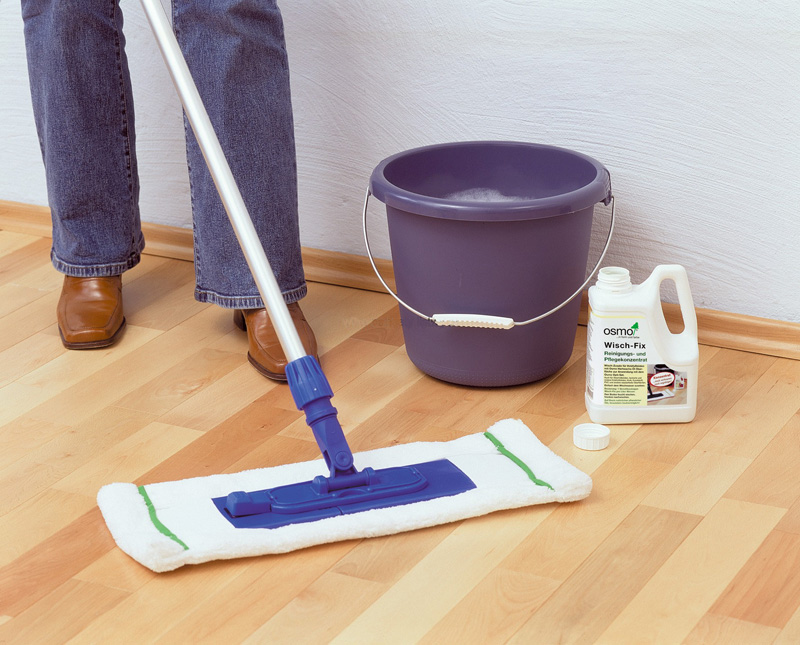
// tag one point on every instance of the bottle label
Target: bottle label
(623, 368)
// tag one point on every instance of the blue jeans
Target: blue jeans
(83, 107)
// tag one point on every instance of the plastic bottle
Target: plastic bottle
(637, 371)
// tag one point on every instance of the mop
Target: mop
(275, 510)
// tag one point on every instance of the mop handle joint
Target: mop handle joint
(312, 394)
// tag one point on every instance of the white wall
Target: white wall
(691, 104)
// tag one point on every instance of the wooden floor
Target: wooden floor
(691, 534)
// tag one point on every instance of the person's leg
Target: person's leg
(236, 52)
(83, 110)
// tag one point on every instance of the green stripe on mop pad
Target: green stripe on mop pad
(156, 522)
(505, 452)
(186, 506)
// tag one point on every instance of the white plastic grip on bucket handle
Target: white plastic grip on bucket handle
(482, 320)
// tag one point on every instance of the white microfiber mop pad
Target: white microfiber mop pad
(164, 526)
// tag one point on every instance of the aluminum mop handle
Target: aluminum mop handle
(309, 387)
(224, 181)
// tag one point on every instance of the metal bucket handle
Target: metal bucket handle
(481, 320)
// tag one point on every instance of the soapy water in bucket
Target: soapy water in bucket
(481, 195)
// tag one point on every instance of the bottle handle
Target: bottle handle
(677, 274)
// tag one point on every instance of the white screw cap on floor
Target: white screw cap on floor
(591, 436)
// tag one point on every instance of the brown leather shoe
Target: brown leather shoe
(90, 312)
(266, 354)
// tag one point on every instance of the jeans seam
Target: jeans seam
(186, 133)
(123, 99)
(94, 270)
(247, 302)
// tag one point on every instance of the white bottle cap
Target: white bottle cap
(591, 436)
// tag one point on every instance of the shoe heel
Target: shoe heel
(238, 319)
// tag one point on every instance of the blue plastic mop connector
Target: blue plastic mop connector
(312, 394)
(346, 490)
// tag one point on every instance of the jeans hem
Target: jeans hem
(246, 302)
(94, 270)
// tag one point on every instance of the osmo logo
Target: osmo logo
(619, 331)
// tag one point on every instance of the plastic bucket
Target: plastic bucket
(488, 228)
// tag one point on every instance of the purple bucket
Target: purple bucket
(490, 228)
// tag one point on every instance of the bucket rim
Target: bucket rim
(586, 196)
